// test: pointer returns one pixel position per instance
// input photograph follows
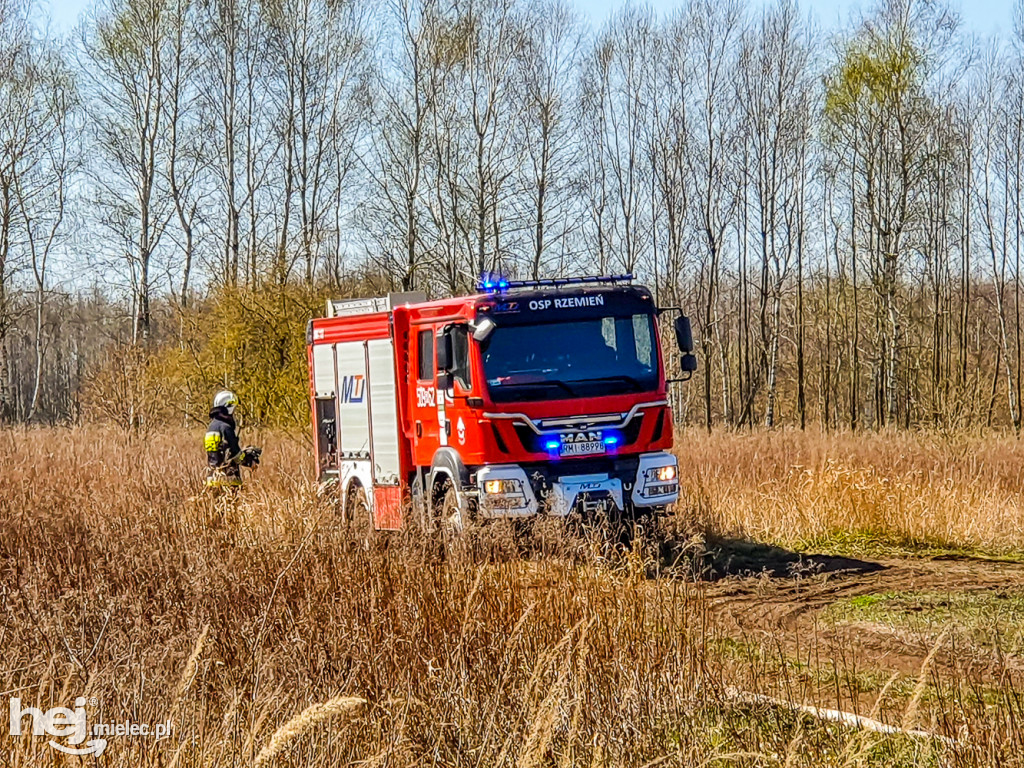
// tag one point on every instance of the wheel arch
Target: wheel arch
(447, 466)
(355, 475)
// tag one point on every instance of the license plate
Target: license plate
(586, 448)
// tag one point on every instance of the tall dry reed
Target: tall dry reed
(808, 489)
(254, 623)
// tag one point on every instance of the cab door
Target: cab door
(423, 396)
(462, 409)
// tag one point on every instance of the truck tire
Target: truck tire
(444, 519)
(358, 517)
(452, 517)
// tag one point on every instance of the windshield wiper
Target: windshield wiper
(546, 383)
(635, 383)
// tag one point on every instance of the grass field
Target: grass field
(802, 573)
(858, 494)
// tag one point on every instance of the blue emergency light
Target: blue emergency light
(500, 285)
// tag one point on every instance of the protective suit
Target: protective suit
(224, 456)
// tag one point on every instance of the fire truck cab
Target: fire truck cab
(528, 398)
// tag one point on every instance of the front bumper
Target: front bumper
(516, 497)
(651, 491)
(557, 488)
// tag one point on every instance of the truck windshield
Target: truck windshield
(582, 358)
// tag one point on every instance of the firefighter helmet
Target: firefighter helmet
(225, 399)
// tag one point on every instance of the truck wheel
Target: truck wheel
(453, 516)
(358, 517)
(648, 523)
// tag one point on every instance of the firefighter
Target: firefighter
(225, 457)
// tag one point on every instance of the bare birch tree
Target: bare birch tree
(42, 182)
(127, 52)
(774, 89)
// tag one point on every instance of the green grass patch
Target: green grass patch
(887, 544)
(852, 680)
(991, 619)
(764, 734)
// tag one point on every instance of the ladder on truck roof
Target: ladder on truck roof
(370, 306)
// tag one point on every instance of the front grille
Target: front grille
(535, 443)
(622, 468)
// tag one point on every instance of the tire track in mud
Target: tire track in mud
(786, 610)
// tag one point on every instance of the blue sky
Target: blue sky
(983, 17)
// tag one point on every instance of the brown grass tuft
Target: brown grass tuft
(305, 721)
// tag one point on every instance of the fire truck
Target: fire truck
(528, 398)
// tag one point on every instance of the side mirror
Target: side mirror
(482, 329)
(688, 363)
(684, 337)
(444, 350)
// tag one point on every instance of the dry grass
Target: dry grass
(849, 492)
(260, 629)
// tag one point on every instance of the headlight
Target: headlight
(502, 486)
(660, 474)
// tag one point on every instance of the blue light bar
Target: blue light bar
(490, 286)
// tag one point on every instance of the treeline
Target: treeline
(839, 212)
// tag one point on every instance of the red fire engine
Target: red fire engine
(538, 397)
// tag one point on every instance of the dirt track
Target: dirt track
(786, 605)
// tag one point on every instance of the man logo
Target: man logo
(352, 389)
(582, 436)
